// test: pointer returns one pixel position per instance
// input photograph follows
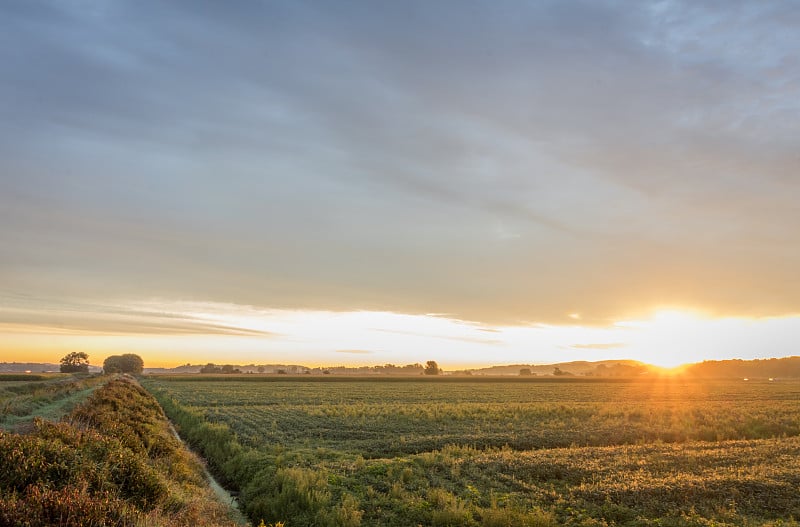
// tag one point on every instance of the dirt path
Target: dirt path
(52, 411)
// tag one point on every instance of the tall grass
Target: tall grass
(113, 461)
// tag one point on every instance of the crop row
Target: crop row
(371, 420)
(350, 453)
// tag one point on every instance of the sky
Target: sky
(362, 182)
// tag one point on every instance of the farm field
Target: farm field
(496, 451)
(24, 397)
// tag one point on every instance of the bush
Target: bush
(127, 363)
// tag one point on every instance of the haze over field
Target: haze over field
(362, 183)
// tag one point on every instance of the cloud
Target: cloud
(31, 315)
(598, 346)
(501, 163)
(473, 340)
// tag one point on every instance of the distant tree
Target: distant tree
(210, 368)
(281, 372)
(525, 371)
(432, 368)
(260, 369)
(75, 362)
(127, 363)
(559, 372)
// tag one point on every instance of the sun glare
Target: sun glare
(207, 331)
(674, 337)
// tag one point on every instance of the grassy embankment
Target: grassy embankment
(399, 453)
(112, 461)
(24, 397)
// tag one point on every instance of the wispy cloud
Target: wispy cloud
(598, 346)
(104, 319)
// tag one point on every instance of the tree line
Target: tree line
(78, 362)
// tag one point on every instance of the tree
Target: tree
(127, 363)
(432, 368)
(75, 362)
(210, 368)
(525, 371)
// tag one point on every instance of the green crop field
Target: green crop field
(497, 452)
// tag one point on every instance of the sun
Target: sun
(672, 337)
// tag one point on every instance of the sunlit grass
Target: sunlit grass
(666, 451)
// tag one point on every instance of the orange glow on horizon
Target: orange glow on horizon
(247, 335)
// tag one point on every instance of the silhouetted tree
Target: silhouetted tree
(525, 371)
(432, 368)
(75, 362)
(127, 363)
(210, 368)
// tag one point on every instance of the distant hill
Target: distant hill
(751, 369)
(599, 368)
(297, 369)
(37, 367)
(605, 368)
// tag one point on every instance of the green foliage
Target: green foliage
(23, 377)
(20, 401)
(475, 453)
(68, 506)
(126, 363)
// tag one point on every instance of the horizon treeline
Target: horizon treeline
(774, 368)
(756, 368)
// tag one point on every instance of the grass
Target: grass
(460, 452)
(112, 461)
(49, 397)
